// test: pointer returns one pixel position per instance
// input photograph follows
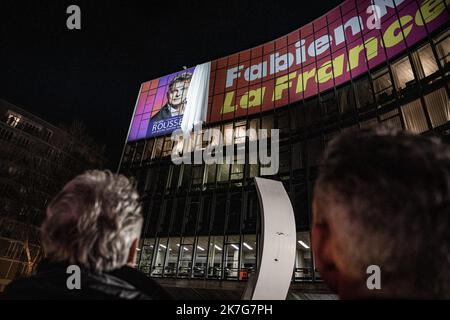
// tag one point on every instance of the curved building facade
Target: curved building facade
(346, 70)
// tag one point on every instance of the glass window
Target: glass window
(211, 173)
(250, 215)
(197, 174)
(403, 73)
(363, 92)
(303, 261)
(300, 205)
(438, 107)
(427, 64)
(158, 148)
(201, 252)
(314, 151)
(167, 148)
(223, 173)
(191, 217)
(127, 156)
(253, 170)
(329, 103)
(138, 154)
(215, 257)
(228, 133)
(312, 111)
(346, 99)
(205, 217)
(237, 170)
(170, 265)
(148, 150)
(231, 256)
(152, 214)
(186, 175)
(414, 117)
(248, 258)
(174, 177)
(158, 265)
(220, 209)
(382, 84)
(297, 156)
(166, 217)
(186, 249)
(146, 255)
(254, 125)
(234, 215)
(443, 49)
(391, 119)
(240, 132)
(267, 123)
(284, 162)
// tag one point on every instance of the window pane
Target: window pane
(346, 99)
(148, 150)
(248, 258)
(382, 84)
(427, 61)
(403, 73)
(228, 134)
(215, 257)
(170, 266)
(211, 173)
(414, 117)
(200, 258)
(303, 261)
(157, 269)
(223, 172)
(443, 49)
(158, 148)
(438, 107)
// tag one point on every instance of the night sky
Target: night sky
(94, 74)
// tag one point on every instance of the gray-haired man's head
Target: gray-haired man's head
(94, 222)
(383, 198)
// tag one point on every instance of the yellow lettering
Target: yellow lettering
(430, 10)
(253, 98)
(281, 84)
(227, 107)
(303, 80)
(393, 34)
(371, 46)
(325, 72)
(338, 65)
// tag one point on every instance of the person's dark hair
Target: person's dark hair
(394, 187)
(184, 77)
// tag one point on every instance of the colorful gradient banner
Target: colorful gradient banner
(340, 45)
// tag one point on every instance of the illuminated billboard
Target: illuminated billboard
(176, 101)
(346, 42)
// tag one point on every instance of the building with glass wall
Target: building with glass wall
(202, 221)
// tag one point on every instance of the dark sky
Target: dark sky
(94, 74)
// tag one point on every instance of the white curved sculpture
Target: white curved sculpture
(277, 246)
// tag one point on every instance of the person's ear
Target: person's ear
(131, 261)
(323, 253)
(323, 245)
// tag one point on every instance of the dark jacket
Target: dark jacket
(50, 282)
(162, 114)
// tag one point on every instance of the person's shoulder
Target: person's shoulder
(143, 283)
(162, 114)
(29, 288)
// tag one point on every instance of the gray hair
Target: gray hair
(394, 189)
(93, 221)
